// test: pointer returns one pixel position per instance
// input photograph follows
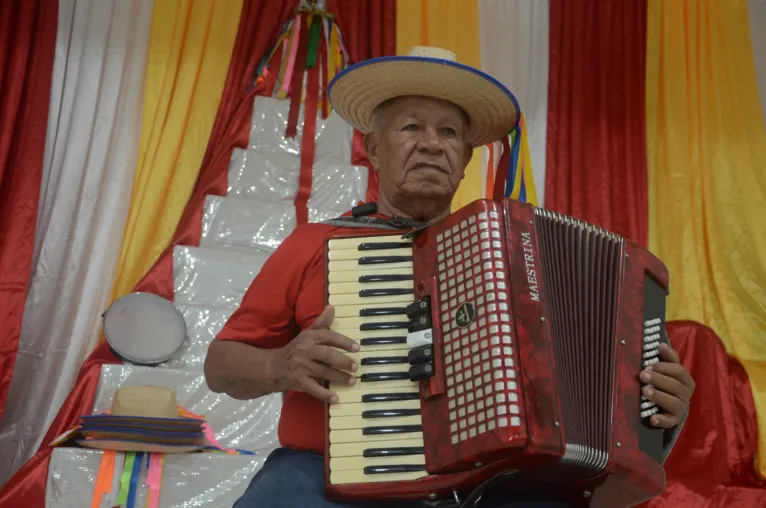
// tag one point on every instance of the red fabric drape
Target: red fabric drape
(27, 49)
(259, 27)
(369, 31)
(596, 142)
(711, 465)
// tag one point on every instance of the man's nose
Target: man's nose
(430, 141)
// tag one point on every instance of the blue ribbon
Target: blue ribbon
(134, 480)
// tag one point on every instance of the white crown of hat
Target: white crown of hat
(432, 52)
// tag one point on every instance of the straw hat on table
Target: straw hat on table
(492, 109)
(142, 419)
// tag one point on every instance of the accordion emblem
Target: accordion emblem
(500, 346)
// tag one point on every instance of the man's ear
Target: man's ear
(371, 143)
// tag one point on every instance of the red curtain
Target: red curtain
(711, 465)
(368, 29)
(596, 142)
(27, 49)
(259, 28)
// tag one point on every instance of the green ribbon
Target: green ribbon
(315, 33)
(127, 472)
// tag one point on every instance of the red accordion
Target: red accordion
(503, 342)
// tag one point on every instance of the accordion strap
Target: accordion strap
(368, 222)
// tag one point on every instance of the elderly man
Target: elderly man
(422, 114)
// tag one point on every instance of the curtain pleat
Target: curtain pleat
(707, 183)
(27, 48)
(452, 25)
(190, 49)
(514, 49)
(90, 154)
(258, 28)
(596, 153)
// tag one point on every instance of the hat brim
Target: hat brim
(492, 109)
(122, 445)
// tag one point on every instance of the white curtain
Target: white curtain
(90, 159)
(514, 49)
(757, 10)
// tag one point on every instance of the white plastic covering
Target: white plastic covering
(273, 176)
(267, 132)
(239, 232)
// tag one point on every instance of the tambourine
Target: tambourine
(144, 329)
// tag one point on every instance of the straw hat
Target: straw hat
(142, 419)
(432, 72)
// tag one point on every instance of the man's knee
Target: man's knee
(286, 478)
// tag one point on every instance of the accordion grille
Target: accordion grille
(581, 265)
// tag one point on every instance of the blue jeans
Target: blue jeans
(295, 479)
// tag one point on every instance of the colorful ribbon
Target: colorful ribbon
(127, 471)
(135, 473)
(154, 479)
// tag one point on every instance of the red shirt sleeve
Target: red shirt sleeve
(266, 315)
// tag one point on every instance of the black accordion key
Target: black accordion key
(391, 429)
(408, 468)
(394, 325)
(386, 311)
(384, 246)
(381, 260)
(379, 341)
(390, 397)
(384, 360)
(386, 278)
(383, 376)
(394, 452)
(389, 413)
(364, 293)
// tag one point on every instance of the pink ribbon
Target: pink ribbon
(293, 52)
(154, 479)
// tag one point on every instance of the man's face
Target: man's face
(419, 149)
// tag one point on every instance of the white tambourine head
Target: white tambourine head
(144, 329)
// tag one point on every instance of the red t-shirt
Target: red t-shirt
(285, 297)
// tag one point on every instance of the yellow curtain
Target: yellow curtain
(189, 52)
(707, 176)
(452, 25)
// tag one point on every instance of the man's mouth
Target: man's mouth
(426, 165)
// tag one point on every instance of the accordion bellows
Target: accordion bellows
(502, 344)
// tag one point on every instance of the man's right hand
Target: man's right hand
(314, 354)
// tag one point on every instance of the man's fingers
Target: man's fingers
(334, 358)
(324, 320)
(668, 354)
(311, 387)
(334, 339)
(333, 375)
(672, 406)
(675, 371)
(667, 384)
(664, 421)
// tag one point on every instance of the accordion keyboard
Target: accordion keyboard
(375, 428)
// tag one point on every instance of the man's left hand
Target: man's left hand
(670, 386)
